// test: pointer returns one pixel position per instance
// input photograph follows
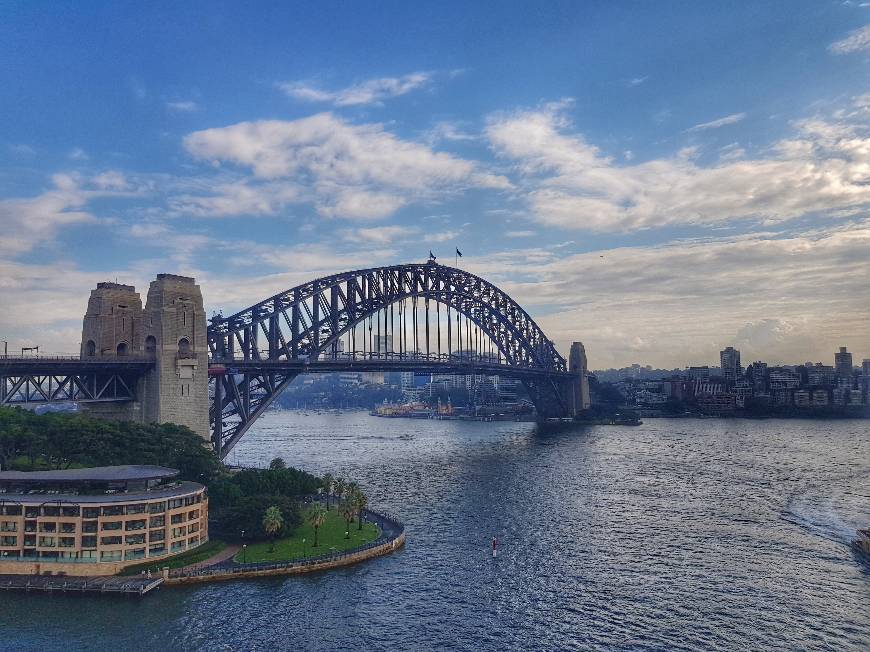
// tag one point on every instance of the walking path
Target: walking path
(223, 555)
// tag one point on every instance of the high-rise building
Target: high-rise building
(759, 371)
(730, 363)
(843, 363)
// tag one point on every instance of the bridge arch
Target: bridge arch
(273, 338)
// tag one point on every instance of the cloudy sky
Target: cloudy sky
(656, 180)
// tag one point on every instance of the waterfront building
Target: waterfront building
(843, 363)
(783, 379)
(699, 373)
(802, 398)
(759, 376)
(730, 363)
(96, 521)
(820, 374)
(865, 375)
(820, 398)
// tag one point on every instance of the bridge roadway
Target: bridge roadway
(443, 364)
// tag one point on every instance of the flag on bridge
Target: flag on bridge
(458, 253)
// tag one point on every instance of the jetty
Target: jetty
(136, 586)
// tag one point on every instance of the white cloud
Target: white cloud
(379, 234)
(22, 150)
(78, 154)
(34, 220)
(636, 81)
(855, 41)
(345, 170)
(182, 106)
(721, 122)
(371, 91)
(778, 297)
(568, 182)
(521, 234)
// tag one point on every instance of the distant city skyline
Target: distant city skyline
(657, 183)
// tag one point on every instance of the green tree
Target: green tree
(340, 487)
(317, 516)
(327, 482)
(277, 463)
(273, 521)
(360, 501)
(347, 512)
(351, 491)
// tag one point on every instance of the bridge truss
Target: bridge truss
(53, 380)
(422, 317)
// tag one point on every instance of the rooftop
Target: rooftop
(127, 473)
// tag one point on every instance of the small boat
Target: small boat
(862, 543)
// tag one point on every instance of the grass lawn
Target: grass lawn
(203, 552)
(330, 537)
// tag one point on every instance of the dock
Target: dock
(71, 584)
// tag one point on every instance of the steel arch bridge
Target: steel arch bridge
(378, 319)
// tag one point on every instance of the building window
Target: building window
(150, 345)
(8, 541)
(48, 527)
(114, 510)
(8, 526)
(183, 347)
(178, 532)
(157, 521)
(155, 551)
(89, 542)
(89, 526)
(110, 541)
(67, 527)
(138, 553)
(178, 545)
(136, 525)
(90, 512)
(110, 555)
(156, 508)
(46, 542)
(177, 518)
(111, 525)
(122, 349)
(136, 509)
(133, 539)
(157, 535)
(91, 349)
(67, 542)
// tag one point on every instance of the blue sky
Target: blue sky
(658, 180)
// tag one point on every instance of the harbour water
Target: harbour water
(677, 534)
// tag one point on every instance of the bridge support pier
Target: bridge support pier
(171, 330)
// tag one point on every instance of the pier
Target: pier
(70, 584)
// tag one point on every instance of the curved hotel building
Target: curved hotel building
(96, 521)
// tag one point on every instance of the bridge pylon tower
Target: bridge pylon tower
(171, 331)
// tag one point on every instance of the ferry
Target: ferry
(862, 543)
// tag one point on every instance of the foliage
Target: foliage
(316, 516)
(273, 521)
(360, 502)
(327, 482)
(30, 441)
(331, 536)
(245, 514)
(278, 463)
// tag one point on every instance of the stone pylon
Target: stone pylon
(171, 330)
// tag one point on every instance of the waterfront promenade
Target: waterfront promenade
(224, 567)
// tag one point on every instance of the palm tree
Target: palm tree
(360, 500)
(317, 516)
(352, 490)
(327, 481)
(339, 487)
(273, 521)
(347, 512)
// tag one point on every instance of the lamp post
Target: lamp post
(244, 553)
(304, 549)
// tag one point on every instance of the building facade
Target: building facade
(97, 521)
(730, 363)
